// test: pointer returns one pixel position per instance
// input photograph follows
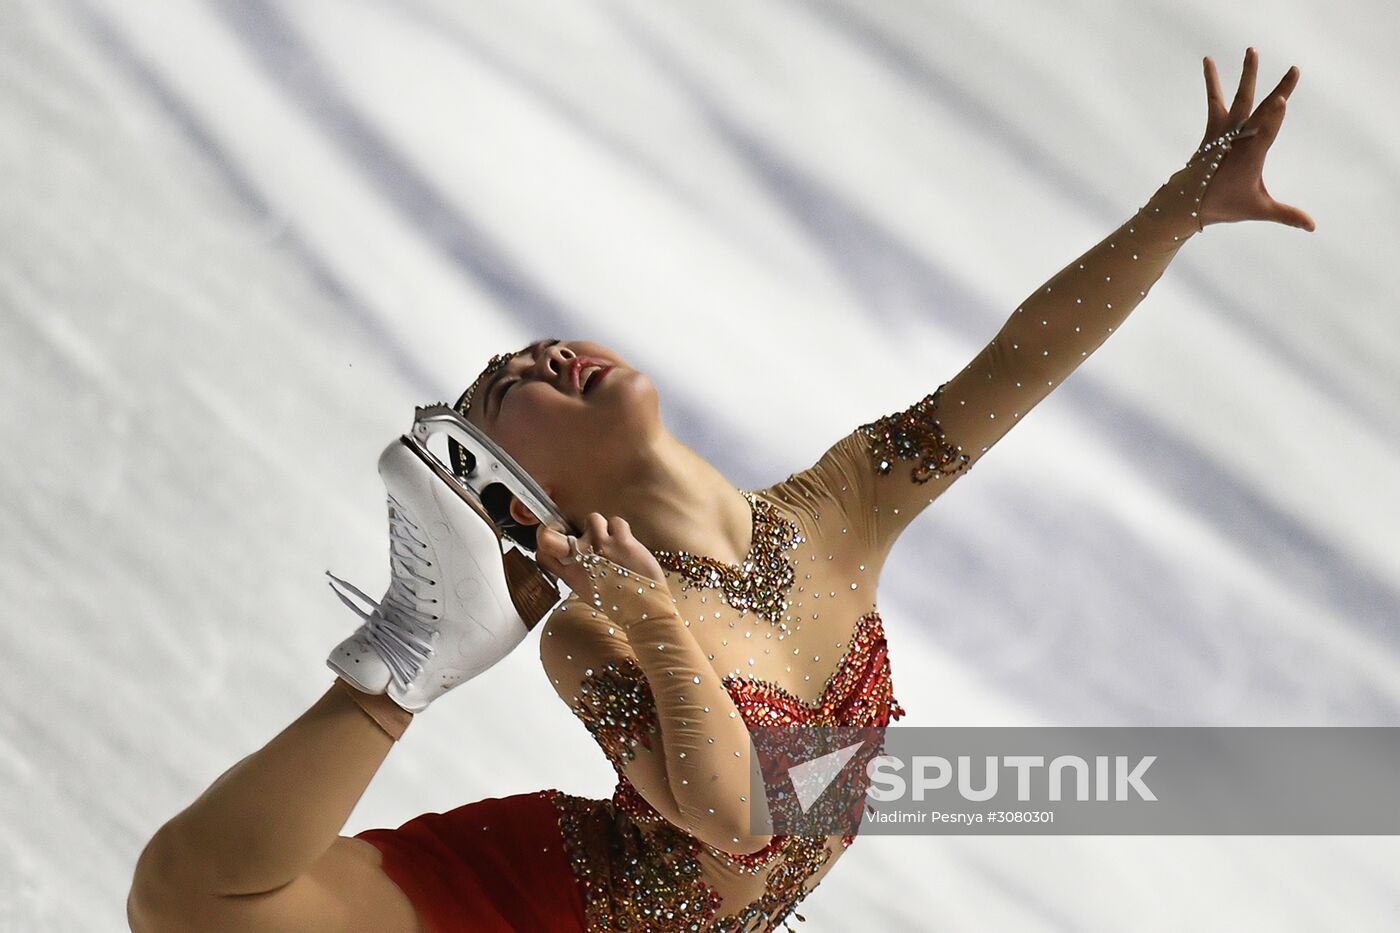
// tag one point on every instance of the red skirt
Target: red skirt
(495, 866)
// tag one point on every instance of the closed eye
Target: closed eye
(504, 385)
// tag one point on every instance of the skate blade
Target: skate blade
(492, 464)
(533, 590)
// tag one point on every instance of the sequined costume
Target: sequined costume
(669, 676)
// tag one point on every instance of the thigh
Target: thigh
(345, 890)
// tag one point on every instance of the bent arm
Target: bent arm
(632, 672)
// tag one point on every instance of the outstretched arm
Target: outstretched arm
(885, 472)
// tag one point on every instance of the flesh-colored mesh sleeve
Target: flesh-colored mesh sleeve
(886, 472)
(628, 667)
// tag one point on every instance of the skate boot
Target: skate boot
(456, 603)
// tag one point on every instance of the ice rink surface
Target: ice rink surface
(242, 239)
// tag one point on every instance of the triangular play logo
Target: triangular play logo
(811, 778)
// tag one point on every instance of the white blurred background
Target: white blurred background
(242, 239)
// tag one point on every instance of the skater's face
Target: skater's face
(566, 409)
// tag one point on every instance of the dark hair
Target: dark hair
(496, 498)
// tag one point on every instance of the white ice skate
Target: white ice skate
(456, 603)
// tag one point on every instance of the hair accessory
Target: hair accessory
(455, 451)
(495, 363)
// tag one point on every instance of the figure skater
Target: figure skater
(696, 612)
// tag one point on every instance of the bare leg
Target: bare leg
(267, 819)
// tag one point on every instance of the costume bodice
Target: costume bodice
(624, 846)
(859, 693)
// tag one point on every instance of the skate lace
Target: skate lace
(399, 629)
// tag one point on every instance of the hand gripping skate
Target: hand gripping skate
(456, 603)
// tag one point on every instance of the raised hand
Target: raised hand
(1236, 191)
(609, 538)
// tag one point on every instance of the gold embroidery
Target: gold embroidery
(650, 881)
(619, 710)
(633, 880)
(762, 581)
(915, 434)
(783, 889)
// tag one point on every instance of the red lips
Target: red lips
(583, 362)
